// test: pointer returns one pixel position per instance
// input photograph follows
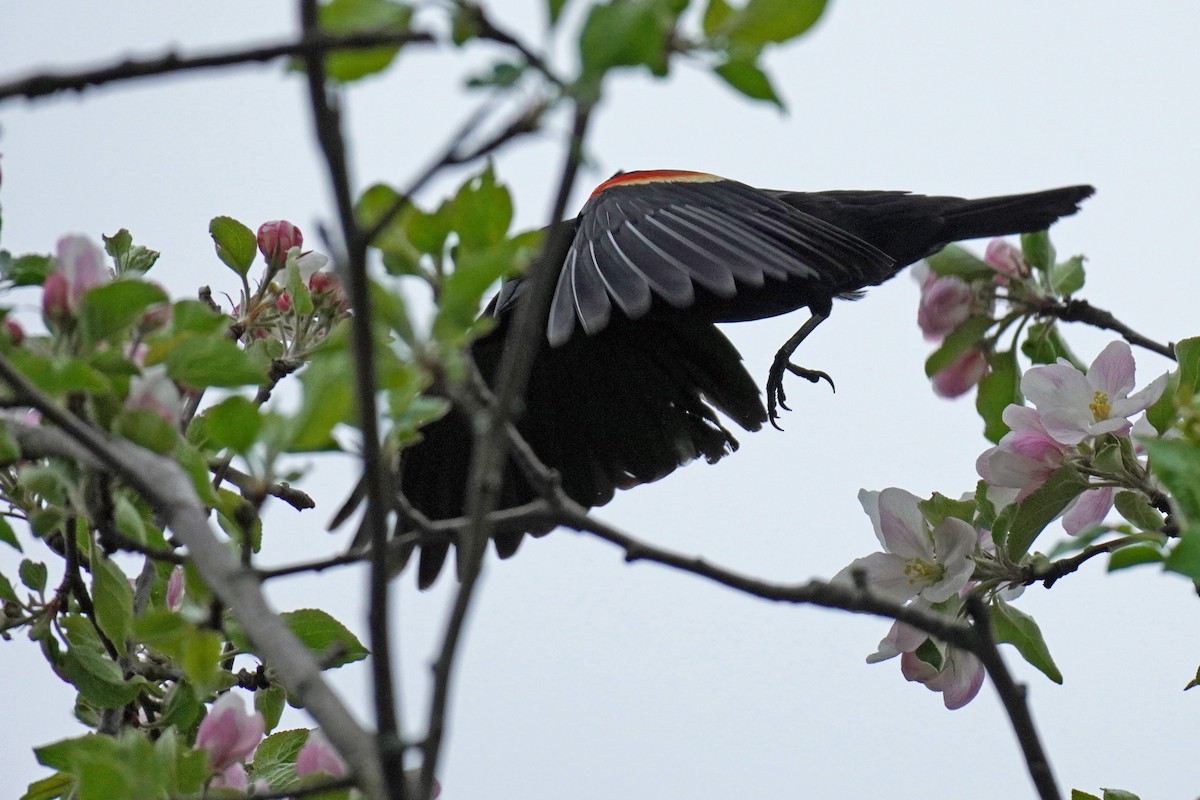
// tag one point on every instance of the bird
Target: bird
(632, 376)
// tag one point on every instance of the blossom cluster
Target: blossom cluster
(932, 559)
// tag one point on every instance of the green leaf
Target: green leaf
(349, 16)
(233, 423)
(1044, 345)
(10, 451)
(327, 402)
(763, 21)
(939, 507)
(112, 308)
(475, 273)
(195, 464)
(1184, 557)
(1040, 508)
(716, 16)
(1134, 554)
(236, 244)
(275, 759)
(1187, 352)
(625, 33)
(954, 259)
(33, 574)
(148, 429)
(56, 786)
(269, 703)
(746, 77)
(1194, 682)
(195, 316)
(58, 375)
(1076, 794)
(98, 678)
(128, 257)
(30, 269)
(554, 9)
(113, 598)
(181, 707)
(203, 361)
(329, 639)
(6, 590)
(1067, 278)
(482, 211)
(197, 651)
(1038, 250)
(1134, 507)
(1119, 794)
(1020, 630)
(1177, 464)
(998, 389)
(959, 340)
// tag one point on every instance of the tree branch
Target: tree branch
(327, 124)
(1083, 311)
(491, 441)
(49, 83)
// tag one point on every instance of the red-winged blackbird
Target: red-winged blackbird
(632, 371)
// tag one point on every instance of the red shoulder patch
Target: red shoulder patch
(654, 176)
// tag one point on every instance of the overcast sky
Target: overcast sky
(584, 677)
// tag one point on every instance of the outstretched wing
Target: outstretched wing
(665, 233)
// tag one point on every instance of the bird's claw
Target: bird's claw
(777, 398)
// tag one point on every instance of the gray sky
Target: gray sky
(583, 677)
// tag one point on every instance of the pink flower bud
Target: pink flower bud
(317, 755)
(56, 307)
(283, 302)
(961, 374)
(275, 238)
(82, 262)
(945, 304)
(175, 589)
(323, 283)
(1006, 260)
(16, 334)
(228, 733)
(234, 777)
(154, 391)
(156, 317)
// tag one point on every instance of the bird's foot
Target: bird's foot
(776, 397)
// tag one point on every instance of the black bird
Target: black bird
(628, 380)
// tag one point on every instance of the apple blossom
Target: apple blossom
(275, 238)
(228, 733)
(232, 777)
(1074, 406)
(1025, 456)
(916, 561)
(957, 377)
(318, 756)
(310, 263)
(945, 304)
(154, 391)
(958, 679)
(1006, 259)
(175, 589)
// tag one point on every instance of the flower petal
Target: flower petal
(1090, 508)
(902, 525)
(1112, 371)
(885, 576)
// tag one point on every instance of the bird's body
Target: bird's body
(627, 381)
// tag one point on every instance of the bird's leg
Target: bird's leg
(775, 394)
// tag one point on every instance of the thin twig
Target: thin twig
(295, 498)
(1083, 311)
(327, 124)
(1013, 697)
(48, 83)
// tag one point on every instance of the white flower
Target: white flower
(1074, 406)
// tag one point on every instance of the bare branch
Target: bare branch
(1083, 311)
(491, 442)
(1013, 696)
(328, 127)
(48, 83)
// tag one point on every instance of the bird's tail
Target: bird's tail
(1016, 213)
(624, 407)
